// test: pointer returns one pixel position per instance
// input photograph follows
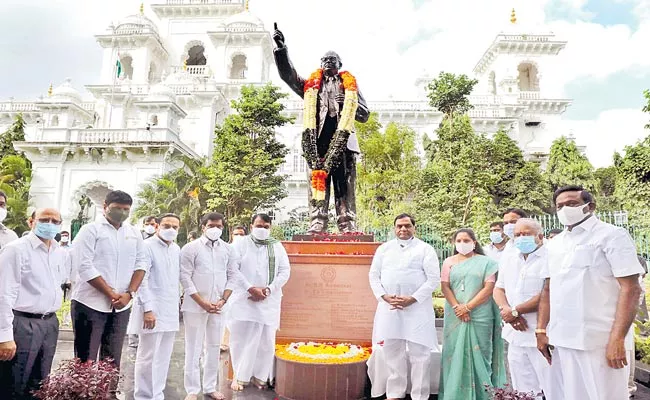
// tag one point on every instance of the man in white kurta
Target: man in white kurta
(517, 292)
(404, 273)
(591, 296)
(155, 314)
(206, 264)
(254, 315)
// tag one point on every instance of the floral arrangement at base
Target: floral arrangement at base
(508, 393)
(76, 380)
(322, 353)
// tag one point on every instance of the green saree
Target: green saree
(472, 352)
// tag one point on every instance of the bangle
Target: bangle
(467, 308)
(540, 331)
(456, 306)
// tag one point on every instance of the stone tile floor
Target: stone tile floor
(175, 390)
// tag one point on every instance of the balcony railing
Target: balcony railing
(107, 136)
(17, 107)
(527, 38)
(199, 2)
(529, 95)
(198, 70)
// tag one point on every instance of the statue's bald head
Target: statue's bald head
(331, 63)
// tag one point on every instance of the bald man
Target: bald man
(517, 293)
(32, 270)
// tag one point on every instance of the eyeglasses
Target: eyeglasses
(49, 221)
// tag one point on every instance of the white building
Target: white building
(178, 77)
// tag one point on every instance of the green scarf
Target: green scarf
(271, 252)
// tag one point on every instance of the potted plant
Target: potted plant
(508, 393)
(76, 380)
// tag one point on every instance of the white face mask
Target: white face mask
(237, 238)
(65, 239)
(3, 214)
(213, 233)
(149, 229)
(569, 216)
(261, 233)
(509, 230)
(168, 234)
(465, 248)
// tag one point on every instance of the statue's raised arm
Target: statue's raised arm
(285, 68)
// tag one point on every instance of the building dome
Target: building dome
(161, 92)
(66, 92)
(135, 24)
(245, 20)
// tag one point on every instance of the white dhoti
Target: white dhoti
(529, 370)
(419, 360)
(585, 375)
(200, 329)
(152, 365)
(252, 350)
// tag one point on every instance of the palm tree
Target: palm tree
(15, 179)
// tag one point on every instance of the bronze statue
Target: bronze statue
(332, 104)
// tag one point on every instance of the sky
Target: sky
(387, 44)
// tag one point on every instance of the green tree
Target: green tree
(515, 182)
(179, 192)
(605, 189)
(646, 108)
(387, 173)
(15, 176)
(568, 166)
(454, 184)
(243, 174)
(633, 181)
(448, 93)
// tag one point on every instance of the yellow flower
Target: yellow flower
(322, 353)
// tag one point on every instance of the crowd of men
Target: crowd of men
(567, 301)
(127, 281)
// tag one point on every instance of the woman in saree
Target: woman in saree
(472, 348)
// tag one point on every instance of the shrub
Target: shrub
(508, 393)
(439, 311)
(75, 380)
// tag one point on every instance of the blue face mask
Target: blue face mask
(46, 230)
(526, 244)
(496, 237)
(509, 230)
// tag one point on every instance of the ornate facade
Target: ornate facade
(174, 82)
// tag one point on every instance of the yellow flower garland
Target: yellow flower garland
(322, 353)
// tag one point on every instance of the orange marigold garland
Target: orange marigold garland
(338, 144)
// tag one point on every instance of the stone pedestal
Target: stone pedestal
(327, 299)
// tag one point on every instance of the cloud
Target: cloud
(387, 44)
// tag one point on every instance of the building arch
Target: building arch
(238, 66)
(528, 76)
(194, 53)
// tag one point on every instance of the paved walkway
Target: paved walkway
(175, 390)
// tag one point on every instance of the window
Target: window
(528, 77)
(127, 67)
(55, 121)
(238, 68)
(196, 56)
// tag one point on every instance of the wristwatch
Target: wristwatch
(267, 291)
(130, 293)
(515, 313)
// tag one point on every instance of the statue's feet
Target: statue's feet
(317, 227)
(347, 227)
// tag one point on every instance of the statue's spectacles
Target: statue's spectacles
(329, 59)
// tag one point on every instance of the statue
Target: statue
(332, 102)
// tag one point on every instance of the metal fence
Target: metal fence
(444, 249)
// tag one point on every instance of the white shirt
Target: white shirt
(159, 292)
(522, 279)
(206, 269)
(113, 254)
(410, 269)
(30, 280)
(583, 266)
(496, 254)
(254, 271)
(6, 236)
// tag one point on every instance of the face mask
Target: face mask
(3, 214)
(569, 216)
(526, 244)
(168, 234)
(237, 238)
(213, 233)
(496, 237)
(64, 239)
(149, 229)
(117, 215)
(46, 230)
(261, 233)
(465, 248)
(509, 230)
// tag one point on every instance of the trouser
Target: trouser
(529, 370)
(152, 365)
(252, 351)
(35, 347)
(343, 179)
(585, 375)
(98, 334)
(418, 362)
(200, 329)
(631, 385)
